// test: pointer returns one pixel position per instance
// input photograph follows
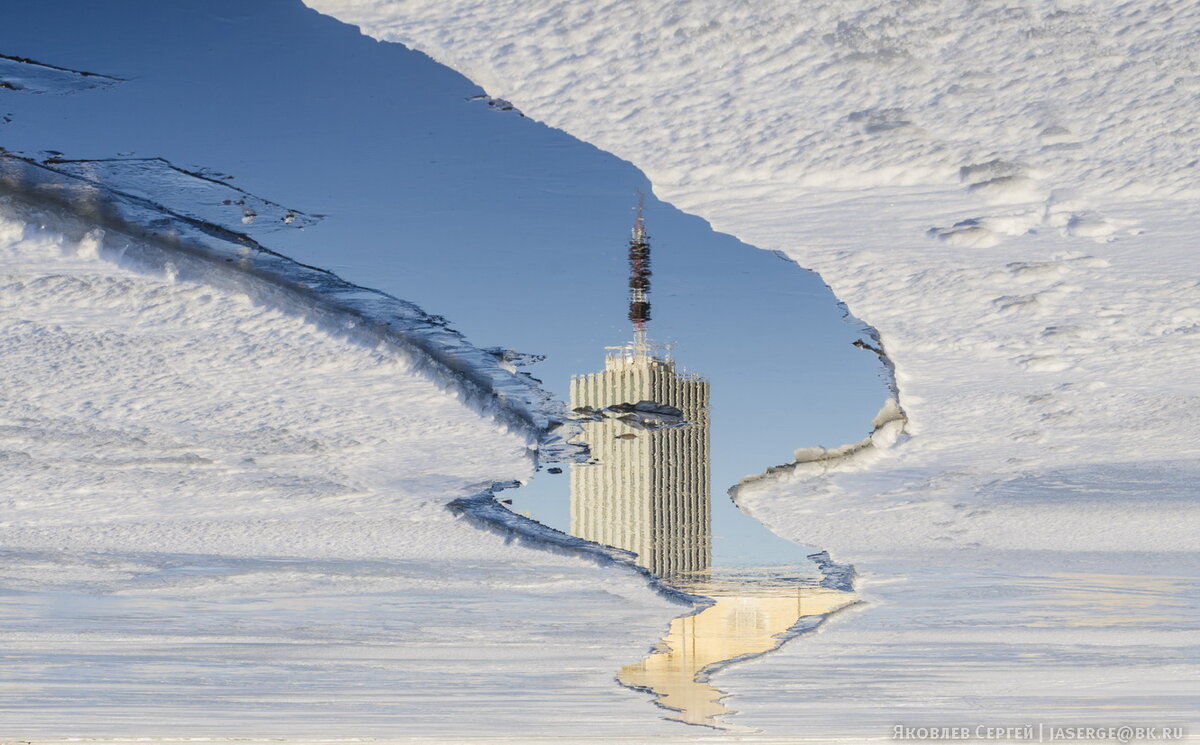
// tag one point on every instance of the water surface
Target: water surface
(406, 181)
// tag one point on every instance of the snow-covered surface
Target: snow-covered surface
(225, 499)
(1007, 193)
(225, 515)
(1012, 637)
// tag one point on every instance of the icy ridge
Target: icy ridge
(31, 76)
(482, 377)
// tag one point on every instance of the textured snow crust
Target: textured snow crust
(239, 530)
(1006, 192)
(224, 514)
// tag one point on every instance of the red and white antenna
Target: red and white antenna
(639, 278)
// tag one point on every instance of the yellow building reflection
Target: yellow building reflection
(747, 619)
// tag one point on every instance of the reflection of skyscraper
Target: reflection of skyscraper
(648, 491)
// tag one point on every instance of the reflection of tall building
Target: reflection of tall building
(648, 491)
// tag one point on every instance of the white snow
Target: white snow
(1007, 193)
(994, 639)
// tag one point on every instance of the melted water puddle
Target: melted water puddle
(646, 487)
(513, 231)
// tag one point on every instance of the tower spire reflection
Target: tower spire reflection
(639, 277)
(647, 490)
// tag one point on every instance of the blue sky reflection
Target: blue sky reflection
(514, 231)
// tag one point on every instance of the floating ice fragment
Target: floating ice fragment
(863, 345)
(496, 104)
(515, 358)
(195, 194)
(30, 76)
(644, 415)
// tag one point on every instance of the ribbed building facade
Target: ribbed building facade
(648, 491)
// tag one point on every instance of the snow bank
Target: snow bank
(1005, 192)
(131, 399)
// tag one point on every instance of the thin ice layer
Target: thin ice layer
(201, 196)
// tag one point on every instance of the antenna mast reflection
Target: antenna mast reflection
(647, 490)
